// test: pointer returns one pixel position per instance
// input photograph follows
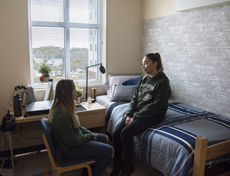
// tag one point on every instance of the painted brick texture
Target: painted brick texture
(195, 50)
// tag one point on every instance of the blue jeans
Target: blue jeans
(99, 150)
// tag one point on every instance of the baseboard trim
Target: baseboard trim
(23, 150)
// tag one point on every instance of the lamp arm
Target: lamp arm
(86, 91)
(93, 65)
(102, 70)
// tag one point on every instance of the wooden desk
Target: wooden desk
(92, 118)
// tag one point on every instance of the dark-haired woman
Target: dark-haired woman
(73, 140)
(147, 108)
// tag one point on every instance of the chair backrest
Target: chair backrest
(47, 133)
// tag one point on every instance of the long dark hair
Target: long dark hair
(156, 57)
(64, 98)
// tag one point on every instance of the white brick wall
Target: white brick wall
(195, 49)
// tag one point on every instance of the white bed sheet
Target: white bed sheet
(104, 101)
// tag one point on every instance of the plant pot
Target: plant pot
(78, 100)
(46, 78)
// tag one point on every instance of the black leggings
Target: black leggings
(122, 136)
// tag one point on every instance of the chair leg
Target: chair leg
(47, 169)
(89, 170)
(56, 172)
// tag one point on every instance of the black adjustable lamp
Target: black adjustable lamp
(102, 70)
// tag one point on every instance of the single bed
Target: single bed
(170, 146)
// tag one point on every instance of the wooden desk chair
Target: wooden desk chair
(70, 165)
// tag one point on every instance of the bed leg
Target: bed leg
(200, 156)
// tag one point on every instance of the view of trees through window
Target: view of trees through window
(54, 57)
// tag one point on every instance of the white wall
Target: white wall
(124, 34)
(14, 49)
(182, 5)
(156, 8)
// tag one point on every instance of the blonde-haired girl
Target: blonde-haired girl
(73, 140)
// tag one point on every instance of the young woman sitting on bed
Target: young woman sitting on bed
(73, 140)
(147, 108)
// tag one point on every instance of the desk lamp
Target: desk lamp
(102, 70)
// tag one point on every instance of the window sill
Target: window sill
(39, 93)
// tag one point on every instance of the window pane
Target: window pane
(48, 49)
(47, 10)
(81, 11)
(81, 55)
(63, 37)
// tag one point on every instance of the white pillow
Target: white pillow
(115, 81)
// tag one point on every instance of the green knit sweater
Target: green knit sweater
(64, 135)
(151, 97)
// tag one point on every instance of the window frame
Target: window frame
(67, 25)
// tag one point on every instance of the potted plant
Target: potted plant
(44, 70)
(78, 95)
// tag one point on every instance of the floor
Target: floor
(34, 164)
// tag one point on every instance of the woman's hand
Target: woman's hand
(95, 137)
(128, 120)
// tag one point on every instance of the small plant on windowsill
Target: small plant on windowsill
(79, 92)
(44, 70)
(78, 95)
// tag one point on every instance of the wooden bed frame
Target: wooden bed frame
(203, 153)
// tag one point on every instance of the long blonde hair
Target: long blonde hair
(64, 98)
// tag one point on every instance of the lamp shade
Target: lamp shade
(102, 69)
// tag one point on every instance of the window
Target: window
(62, 33)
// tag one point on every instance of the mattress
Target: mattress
(169, 146)
(104, 101)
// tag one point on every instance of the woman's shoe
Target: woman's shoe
(129, 168)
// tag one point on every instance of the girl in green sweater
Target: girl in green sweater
(73, 140)
(147, 108)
